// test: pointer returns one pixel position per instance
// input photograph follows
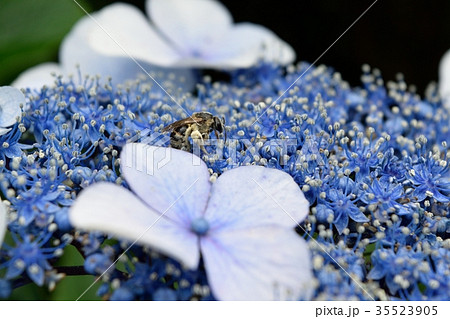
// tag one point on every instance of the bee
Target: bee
(198, 127)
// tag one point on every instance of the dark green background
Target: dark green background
(407, 36)
(31, 31)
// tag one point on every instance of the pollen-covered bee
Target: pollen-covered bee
(198, 126)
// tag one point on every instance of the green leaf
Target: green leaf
(31, 32)
(368, 253)
(69, 288)
(72, 287)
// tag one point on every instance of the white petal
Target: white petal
(3, 130)
(251, 251)
(167, 179)
(444, 77)
(76, 49)
(192, 26)
(252, 196)
(114, 210)
(122, 30)
(38, 76)
(3, 222)
(264, 263)
(243, 46)
(10, 101)
(247, 43)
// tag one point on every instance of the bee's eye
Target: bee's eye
(218, 124)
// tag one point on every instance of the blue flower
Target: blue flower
(31, 255)
(38, 192)
(33, 202)
(342, 202)
(122, 294)
(335, 284)
(384, 194)
(246, 238)
(165, 294)
(9, 144)
(162, 279)
(391, 166)
(438, 281)
(431, 179)
(5, 289)
(362, 154)
(398, 269)
(98, 263)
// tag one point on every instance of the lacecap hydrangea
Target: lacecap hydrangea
(372, 161)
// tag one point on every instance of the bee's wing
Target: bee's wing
(189, 120)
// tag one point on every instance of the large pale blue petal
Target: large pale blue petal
(10, 101)
(251, 196)
(246, 44)
(251, 250)
(88, 46)
(114, 210)
(242, 46)
(167, 179)
(263, 263)
(121, 27)
(444, 78)
(38, 76)
(76, 51)
(3, 222)
(192, 26)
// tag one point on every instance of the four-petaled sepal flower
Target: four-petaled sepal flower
(242, 224)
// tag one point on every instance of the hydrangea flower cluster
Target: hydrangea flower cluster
(372, 161)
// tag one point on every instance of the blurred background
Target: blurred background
(407, 36)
